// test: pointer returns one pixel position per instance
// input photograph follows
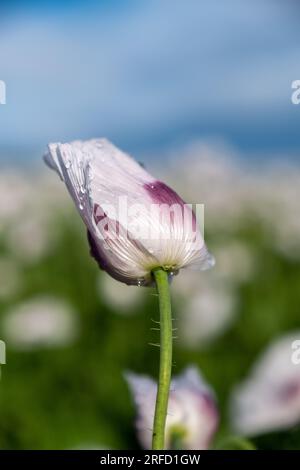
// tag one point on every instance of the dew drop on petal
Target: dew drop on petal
(173, 273)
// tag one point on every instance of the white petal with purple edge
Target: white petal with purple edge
(127, 212)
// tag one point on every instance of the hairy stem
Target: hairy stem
(165, 365)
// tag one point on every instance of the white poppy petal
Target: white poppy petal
(135, 222)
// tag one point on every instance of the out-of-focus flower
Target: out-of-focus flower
(30, 237)
(14, 202)
(269, 197)
(235, 262)
(39, 322)
(27, 228)
(118, 296)
(213, 168)
(192, 418)
(206, 308)
(11, 278)
(206, 315)
(135, 222)
(269, 399)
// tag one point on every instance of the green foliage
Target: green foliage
(75, 394)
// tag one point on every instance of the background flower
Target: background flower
(269, 398)
(40, 321)
(119, 297)
(192, 417)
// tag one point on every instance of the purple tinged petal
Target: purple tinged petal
(160, 193)
(108, 262)
(95, 172)
(191, 408)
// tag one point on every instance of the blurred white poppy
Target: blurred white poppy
(206, 308)
(192, 418)
(235, 262)
(41, 321)
(30, 231)
(206, 316)
(235, 194)
(216, 180)
(31, 237)
(122, 298)
(14, 203)
(269, 398)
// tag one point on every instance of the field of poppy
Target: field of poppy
(80, 346)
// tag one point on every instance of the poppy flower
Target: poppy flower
(135, 222)
(268, 399)
(192, 418)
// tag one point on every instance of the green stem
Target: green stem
(165, 365)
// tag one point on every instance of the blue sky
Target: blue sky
(150, 75)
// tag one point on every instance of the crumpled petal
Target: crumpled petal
(131, 229)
